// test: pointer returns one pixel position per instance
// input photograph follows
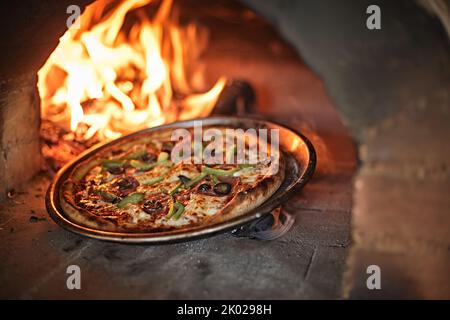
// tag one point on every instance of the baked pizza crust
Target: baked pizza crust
(241, 203)
(80, 215)
(247, 200)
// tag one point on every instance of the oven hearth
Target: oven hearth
(374, 105)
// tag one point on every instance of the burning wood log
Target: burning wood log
(130, 66)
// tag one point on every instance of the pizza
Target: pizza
(152, 182)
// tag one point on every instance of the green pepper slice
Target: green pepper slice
(172, 210)
(195, 180)
(151, 181)
(132, 198)
(219, 172)
(180, 210)
(112, 164)
(142, 166)
(135, 155)
(175, 190)
(106, 195)
(163, 156)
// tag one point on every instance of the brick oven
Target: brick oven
(374, 103)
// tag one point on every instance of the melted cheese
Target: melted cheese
(203, 205)
(252, 174)
(182, 221)
(199, 207)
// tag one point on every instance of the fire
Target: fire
(119, 71)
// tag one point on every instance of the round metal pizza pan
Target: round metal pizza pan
(300, 164)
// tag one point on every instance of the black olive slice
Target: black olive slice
(204, 187)
(115, 170)
(153, 206)
(149, 158)
(126, 183)
(222, 188)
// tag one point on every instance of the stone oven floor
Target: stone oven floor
(308, 262)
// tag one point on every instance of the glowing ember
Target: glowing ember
(122, 71)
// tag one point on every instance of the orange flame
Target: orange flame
(115, 81)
